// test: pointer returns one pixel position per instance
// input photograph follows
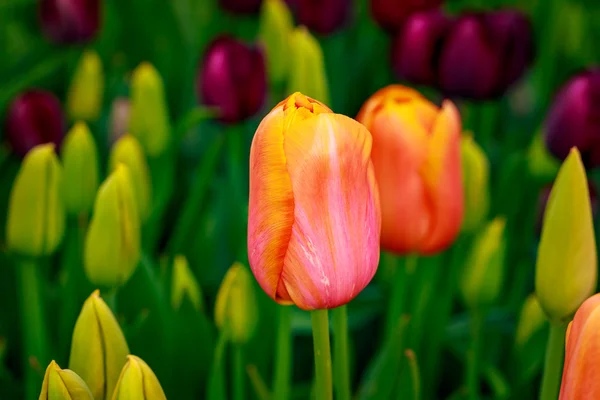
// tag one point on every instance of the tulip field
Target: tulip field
(299, 199)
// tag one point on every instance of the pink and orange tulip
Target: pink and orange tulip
(314, 215)
(416, 155)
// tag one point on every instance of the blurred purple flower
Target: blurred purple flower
(70, 21)
(322, 16)
(232, 78)
(241, 6)
(34, 117)
(391, 14)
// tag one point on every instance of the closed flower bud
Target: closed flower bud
(98, 348)
(80, 166)
(112, 244)
(184, 285)
(84, 99)
(566, 270)
(276, 26)
(307, 74)
(128, 151)
(530, 339)
(476, 175)
(233, 79)
(70, 21)
(149, 116)
(416, 155)
(63, 384)
(322, 16)
(138, 382)
(314, 214)
(481, 279)
(241, 6)
(235, 307)
(391, 14)
(34, 117)
(531, 320)
(572, 120)
(36, 210)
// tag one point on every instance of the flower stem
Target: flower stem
(553, 363)
(473, 355)
(283, 362)
(415, 375)
(340, 353)
(396, 306)
(239, 370)
(322, 349)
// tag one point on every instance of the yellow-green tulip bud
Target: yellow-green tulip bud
(127, 150)
(481, 280)
(112, 244)
(138, 382)
(531, 320)
(149, 117)
(98, 348)
(530, 340)
(184, 284)
(235, 307)
(476, 172)
(80, 166)
(566, 270)
(307, 67)
(541, 164)
(36, 210)
(276, 26)
(63, 384)
(84, 98)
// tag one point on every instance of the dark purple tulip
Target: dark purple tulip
(573, 120)
(322, 16)
(416, 47)
(233, 79)
(241, 6)
(33, 118)
(545, 195)
(390, 14)
(70, 21)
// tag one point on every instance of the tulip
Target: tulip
(530, 337)
(70, 21)
(63, 384)
(531, 320)
(36, 211)
(322, 16)
(581, 371)
(34, 117)
(241, 6)
(84, 98)
(416, 155)
(314, 217)
(80, 160)
(112, 244)
(138, 381)
(98, 348)
(572, 120)
(476, 174)
(233, 79)
(391, 14)
(276, 26)
(184, 285)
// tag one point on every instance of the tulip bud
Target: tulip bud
(241, 6)
(314, 215)
(531, 320)
(36, 211)
(149, 116)
(476, 173)
(481, 280)
(80, 161)
(84, 99)
(416, 155)
(307, 74)
(233, 79)
(112, 244)
(138, 381)
(542, 166)
(276, 26)
(235, 307)
(530, 339)
(34, 117)
(73, 21)
(322, 16)
(184, 284)
(63, 384)
(391, 14)
(572, 119)
(566, 270)
(98, 348)
(128, 151)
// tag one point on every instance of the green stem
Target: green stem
(258, 383)
(110, 298)
(340, 353)
(553, 363)
(415, 375)
(237, 175)
(215, 389)
(34, 331)
(283, 362)
(238, 373)
(474, 355)
(396, 306)
(322, 349)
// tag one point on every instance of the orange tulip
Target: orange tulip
(314, 218)
(581, 373)
(416, 155)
